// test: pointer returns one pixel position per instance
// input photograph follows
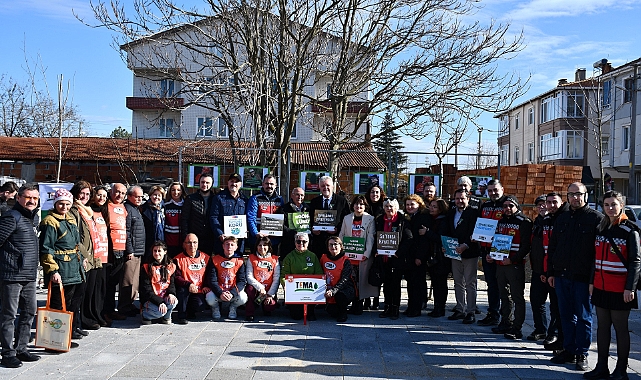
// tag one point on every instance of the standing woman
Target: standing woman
(153, 216)
(361, 224)
(59, 256)
(438, 266)
(173, 209)
(92, 251)
(614, 285)
(374, 198)
(391, 221)
(417, 223)
(96, 302)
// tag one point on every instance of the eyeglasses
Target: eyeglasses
(301, 242)
(31, 198)
(334, 244)
(575, 195)
(508, 205)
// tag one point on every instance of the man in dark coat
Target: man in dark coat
(19, 258)
(134, 251)
(228, 202)
(328, 200)
(195, 214)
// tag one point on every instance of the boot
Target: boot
(232, 312)
(375, 303)
(356, 308)
(385, 313)
(215, 310)
(600, 371)
(620, 373)
(366, 303)
(394, 312)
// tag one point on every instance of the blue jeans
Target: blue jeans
(21, 294)
(576, 314)
(493, 293)
(151, 310)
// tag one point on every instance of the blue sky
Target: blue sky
(559, 35)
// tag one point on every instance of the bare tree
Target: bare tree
(257, 63)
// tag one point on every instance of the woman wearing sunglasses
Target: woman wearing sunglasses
(301, 261)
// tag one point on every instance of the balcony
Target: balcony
(137, 103)
(352, 107)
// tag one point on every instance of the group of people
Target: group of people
(171, 252)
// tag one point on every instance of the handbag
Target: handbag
(53, 327)
(375, 276)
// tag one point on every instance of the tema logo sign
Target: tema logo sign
(305, 286)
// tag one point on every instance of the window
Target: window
(629, 87)
(517, 155)
(223, 131)
(575, 103)
(574, 144)
(504, 155)
(550, 147)
(605, 145)
(530, 152)
(549, 106)
(294, 131)
(516, 120)
(206, 85)
(205, 127)
(329, 90)
(504, 125)
(166, 88)
(166, 127)
(607, 86)
(626, 137)
(530, 116)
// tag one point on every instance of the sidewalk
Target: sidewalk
(277, 348)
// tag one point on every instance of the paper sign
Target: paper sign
(299, 221)
(387, 242)
(484, 230)
(450, 245)
(305, 289)
(272, 224)
(325, 220)
(501, 246)
(235, 225)
(354, 248)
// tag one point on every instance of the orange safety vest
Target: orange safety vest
(99, 251)
(193, 268)
(160, 287)
(117, 225)
(226, 270)
(333, 270)
(102, 252)
(263, 269)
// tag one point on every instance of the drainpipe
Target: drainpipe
(632, 181)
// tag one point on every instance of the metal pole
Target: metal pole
(632, 181)
(289, 172)
(180, 164)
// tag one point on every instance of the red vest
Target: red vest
(263, 269)
(172, 226)
(333, 270)
(193, 268)
(117, 225)
(609, 272)
(226, 270)
(547, 233)
(160, 287)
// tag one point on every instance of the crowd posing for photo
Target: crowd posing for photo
(171, 253)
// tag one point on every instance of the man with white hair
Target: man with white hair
(327, 200)
(465, 183)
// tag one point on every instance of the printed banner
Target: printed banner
(484, 230)
(48, 193)
(252, 176)
(299, 221)
(450, 245)
(500, 248)
(272, 224)
(309, 181)
(235, 225)
(354, 248)
(305, 289)
(364, 181)
(387, 242)
(196, 171)
(418, 182)
(325, 220)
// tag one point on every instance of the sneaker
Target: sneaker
(232, 312)
(27, 356)
(582, 363)
(550, 339)
(456, 315)
(145, 322)
(535, 336)
(215, 313)
(469, 319)
(513, 334)
(563, 357)
(11, 362)
(489, 320)
(165, 321)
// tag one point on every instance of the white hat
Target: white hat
(63, 195)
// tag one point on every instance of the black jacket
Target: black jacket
(463, 230)
(338, 203)
(519, 227)
(571, 252)
(19, 249)
(146, 289)
(537, 252)
(437, 228)
(194, 219)
(135, 231)
(405, 234)
(150, 217)
(417, 244)
(287, 242)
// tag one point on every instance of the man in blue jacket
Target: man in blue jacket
(227, 203)
(19, 261)
(267, 201)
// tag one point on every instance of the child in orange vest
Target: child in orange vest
(157, 286)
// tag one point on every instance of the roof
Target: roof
(578, 85)
(104, 149)
(622, 68)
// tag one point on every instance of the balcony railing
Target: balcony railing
(138, 103)
(352, 107)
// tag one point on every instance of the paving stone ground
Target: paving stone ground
(365, 347)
